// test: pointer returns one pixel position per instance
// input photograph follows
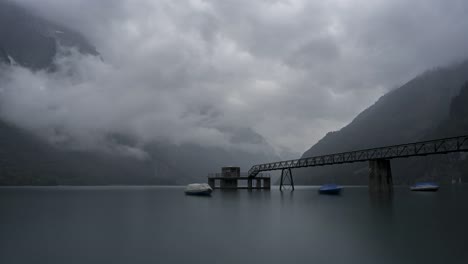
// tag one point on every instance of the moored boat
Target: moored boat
(330, 189)
(425, 187)
(198, 189)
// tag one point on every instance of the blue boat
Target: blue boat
(425, 187)
(330, 189)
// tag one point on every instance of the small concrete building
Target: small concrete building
(230, 172)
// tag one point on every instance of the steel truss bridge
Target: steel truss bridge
(424, 148)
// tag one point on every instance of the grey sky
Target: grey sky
(291, 70)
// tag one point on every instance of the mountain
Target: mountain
(32, 41)
(416, 111)
(3, 56)
(457, 123)
(455, 166)
(25, 159)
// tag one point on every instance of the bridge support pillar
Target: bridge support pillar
(266, 183)
(286, 179)
(258, 184)
(380, 176)
(249, 183)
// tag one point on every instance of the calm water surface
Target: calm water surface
(162, 225)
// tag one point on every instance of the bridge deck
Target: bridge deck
(237, 178)
(424, 148)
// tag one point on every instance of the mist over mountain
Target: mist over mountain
(432, 105)
(37, 53)
(32, 41)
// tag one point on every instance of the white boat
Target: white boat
(425, 186)
(198, 189)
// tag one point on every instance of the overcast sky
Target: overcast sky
(291, 70)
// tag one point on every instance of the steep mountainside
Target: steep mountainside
(3, 56)
(410, 113)
(26, 160)
(457, 123)
(32, 42)
(453, 166)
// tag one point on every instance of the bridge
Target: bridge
(380, 174)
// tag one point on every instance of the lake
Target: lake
(162, 225)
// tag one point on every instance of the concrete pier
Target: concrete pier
(230, 177)
(380, 176)
(216, 182)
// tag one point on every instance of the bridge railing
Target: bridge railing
(430, 147)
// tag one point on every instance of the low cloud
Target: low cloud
(86, 100)
(183, 71)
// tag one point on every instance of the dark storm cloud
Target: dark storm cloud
(182, 70)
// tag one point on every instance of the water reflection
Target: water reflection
(382, 204)
(163, 225)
